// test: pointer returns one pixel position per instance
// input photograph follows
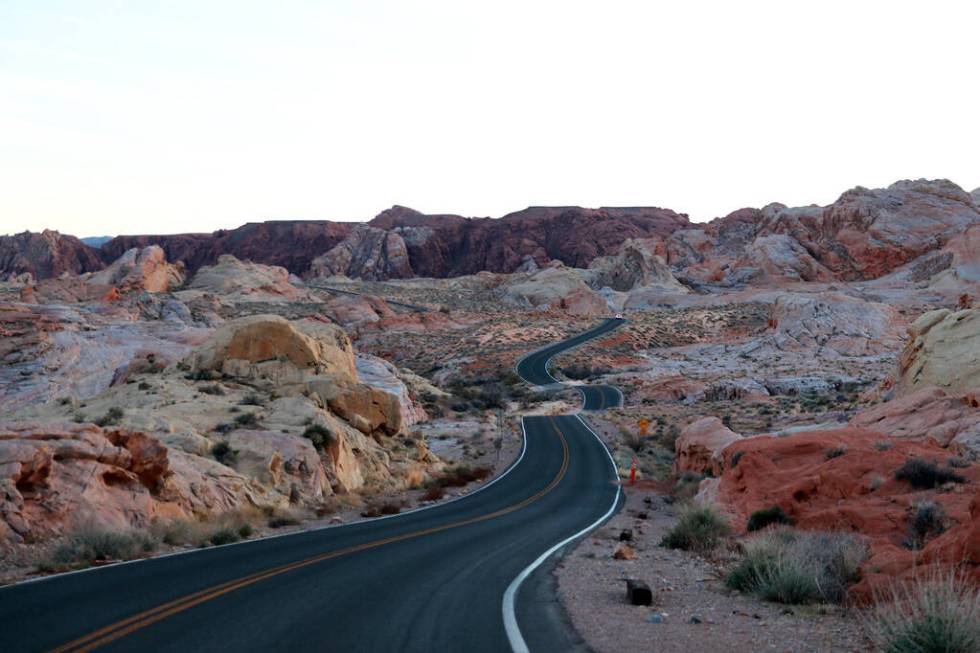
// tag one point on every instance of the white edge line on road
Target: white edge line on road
(514, 636)
(513, 465)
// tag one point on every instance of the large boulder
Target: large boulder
(382, 375)
(272, 347)
(371, 411)
(700, 445)
(141, 269)
(367, 253)
(943, 351)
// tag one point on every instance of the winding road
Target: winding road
(471, 574)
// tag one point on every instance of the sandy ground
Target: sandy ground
(692, 611)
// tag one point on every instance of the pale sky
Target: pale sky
(162, 117)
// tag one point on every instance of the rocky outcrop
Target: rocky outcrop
(45, 255)
(450, 245)
(868, 233)
(233, 280)
(291, 244)
(844, 480)
(382, 375)
(636, 265)
(834, 323)
(554, 288)
(273, 348)
(779, 256)
(700, 445)
(928, 413)
(367, 253)
(943, 351)
(62, 477)
(141, 270)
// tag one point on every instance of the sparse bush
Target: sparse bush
(225, 536)
(462, 475)
(223, 453)
(143, 385)
(698, 529)
(246, 420)
(202, 375)
(89, 545)
(278, 520)
(434, 493)
(927, 518)
(882, 445)
(251, 400)
(766, 517)
(111, 417)
(938, 613)
(213, 389)
(787, 566)
(686, 486)
(377, 510)
(835, 452)
(925, 475)
(319, 435)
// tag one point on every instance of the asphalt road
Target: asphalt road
(429, 580)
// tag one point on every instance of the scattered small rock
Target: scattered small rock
(624, 552)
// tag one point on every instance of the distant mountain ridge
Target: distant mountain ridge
(863, 235)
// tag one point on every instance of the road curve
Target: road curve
(427, 580)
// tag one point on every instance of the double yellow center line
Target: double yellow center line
(114, 631)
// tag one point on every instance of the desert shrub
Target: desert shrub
(434, 493)
(251, 400)
(492, 395)
(835, 452)
(278, 520)
(213, 389)
(319, 435)
(246, 419)
(927, 518)
(686, 485)
(788, 566)
(223, 453)
(202, 375)
(461, 475)
(698, 529)
(224, 536)
(670, 436)
(111, 417)
(925, 475)
(882, 445)
(766, 517)
(88, 545)
(938, 613)
(386, 508)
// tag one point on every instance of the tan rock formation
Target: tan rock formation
(943, 351)
(141, 269)
(233, 280)
(271, 347)
(700, 445)
(928, 413)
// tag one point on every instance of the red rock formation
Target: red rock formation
(844, 480)
(46, 254)
(291, 244)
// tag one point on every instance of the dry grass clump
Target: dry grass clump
(220, 529)
(937, 613)
(381, 509)
(92, 545)
(795, 567)
(699, 529)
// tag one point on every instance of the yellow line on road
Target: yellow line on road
(114, 631)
